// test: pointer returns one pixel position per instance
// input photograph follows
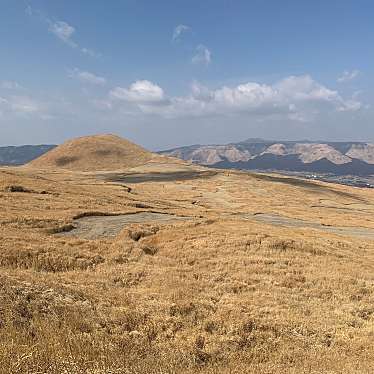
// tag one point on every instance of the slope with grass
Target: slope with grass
(214, 291)
(98, 152)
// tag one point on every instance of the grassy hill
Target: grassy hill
(181, 276)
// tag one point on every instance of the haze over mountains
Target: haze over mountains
(340, 158)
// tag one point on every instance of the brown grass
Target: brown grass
(215, 294)
(98, 152)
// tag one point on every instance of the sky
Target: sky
(170, 73)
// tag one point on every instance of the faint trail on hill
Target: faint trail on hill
(277, 220)
(96, 227)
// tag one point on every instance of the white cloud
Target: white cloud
(23, 104)
(3, 102)
(140, 92)
(178, 31)
(64, 32)
(20, 105)
(350, 106)
(297, 98)
(87, 77)
(348, 76)
(103, 105)
(202, 56)
(90, 52)
(10, 85)
(201, 92)
(16, 101)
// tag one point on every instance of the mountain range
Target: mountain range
(19, 155)
(339, 158)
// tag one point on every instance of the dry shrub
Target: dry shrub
(94, 214)
(149, 249)
(17, 188)
(33, 223)
(65, 160)
(130, 278)
(60, 229)
(268, 243)
(138, 232)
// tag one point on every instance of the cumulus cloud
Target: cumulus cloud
(178, 31)
(87, 77)
(202, 56)
(298, 98)
(140, 92)
(348, 76)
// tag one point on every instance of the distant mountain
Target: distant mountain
(18, 155)
(339, 158)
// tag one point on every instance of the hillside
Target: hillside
(98, 152)
(338, 158)
(226, 272)
(19, 155)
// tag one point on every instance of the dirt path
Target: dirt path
(277, 220)
(96, 227)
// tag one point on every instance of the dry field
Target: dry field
(213, 291)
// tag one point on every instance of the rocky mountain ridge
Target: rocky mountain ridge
(356, 158)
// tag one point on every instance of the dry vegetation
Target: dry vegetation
(101, 152)
(214, 294)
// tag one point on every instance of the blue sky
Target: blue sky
(168, 73)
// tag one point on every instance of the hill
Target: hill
(97, 152)
(230, 272)
(19, 155)
(337, 158)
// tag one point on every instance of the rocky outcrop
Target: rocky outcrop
(325, 157)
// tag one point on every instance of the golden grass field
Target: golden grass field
(218, 292)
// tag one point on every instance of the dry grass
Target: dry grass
(216, 294)
(97, 152)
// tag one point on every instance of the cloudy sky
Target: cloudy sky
(178, 72)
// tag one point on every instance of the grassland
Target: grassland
(218, 293)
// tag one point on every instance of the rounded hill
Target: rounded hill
(97, 152)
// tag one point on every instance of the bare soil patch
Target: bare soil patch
(99, 226)
(159, 177)
(277, 220)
